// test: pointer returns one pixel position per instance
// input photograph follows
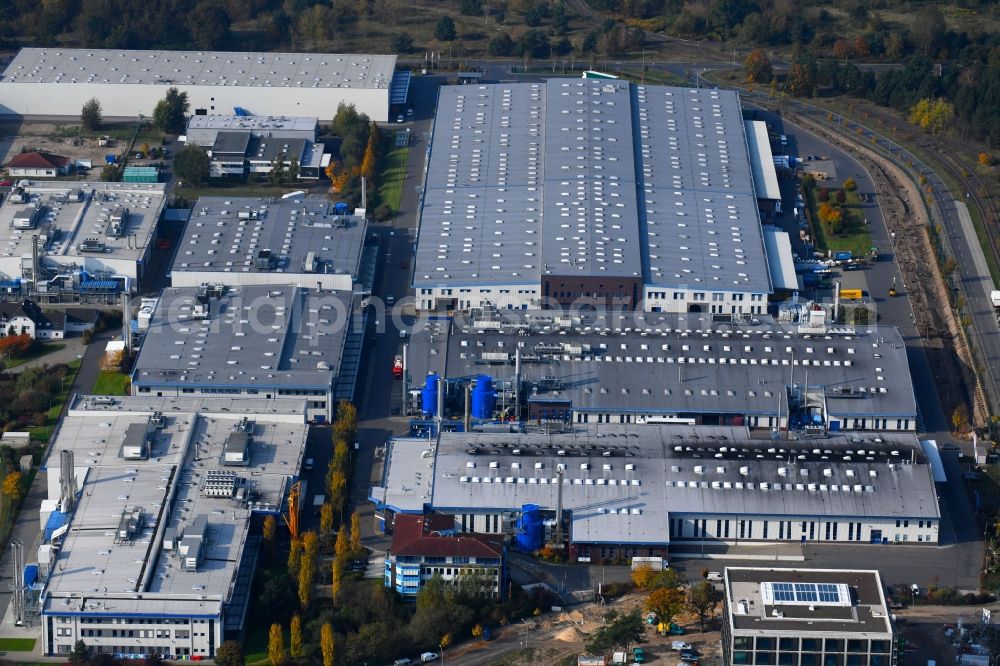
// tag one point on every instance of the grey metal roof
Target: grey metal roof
(217, 239)
(208, 68)
(867, 614)
(702, 221)
(656, 363)
(263, 149)
(256, 336)
(77, 211)
(590, 218)
(93, 574)
(231, 142)
(253, 123)
(623, 482)
(526, 179)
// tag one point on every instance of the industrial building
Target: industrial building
(203, 130)
(424, 547)
(642, 367)
(307, 241)
(631, 491)
(593, 191)
(57, 81)
(81, 238)
(809, 617)
(152, 523)
(258, 342)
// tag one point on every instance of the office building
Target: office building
(424, 547)
(806, 617)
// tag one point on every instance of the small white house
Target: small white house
(38, 165)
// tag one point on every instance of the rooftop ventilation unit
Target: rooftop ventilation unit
(118, 222)
(92, 245)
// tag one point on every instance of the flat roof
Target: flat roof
(253, 123)
(218, 239)
(95, 575)
(532, 179)
(231, 142)
(255, 336)
(765, 176)
(73, 212)
(201, 68)
(622, 482)
(780, 260)
(754, 608)
(658, 363)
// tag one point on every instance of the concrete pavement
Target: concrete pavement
(72, 349)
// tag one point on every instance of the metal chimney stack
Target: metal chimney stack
(467, 422)
(126, 323)
(67, 481)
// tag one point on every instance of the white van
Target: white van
(714, 575)
(309, 463)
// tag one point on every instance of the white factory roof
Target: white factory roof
(253, 123)
(659, 363)
(201, 68)
(765, 177)
(73, 212)
(780, 260)
(95, 574)
(532, 179)
(623, 482)
(253, 337)
(225, 234)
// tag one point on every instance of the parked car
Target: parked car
(6, 183)
(309, 463)
(680, 645)
(405, 661)
(428, 656)
(714, 575)
(689, 655)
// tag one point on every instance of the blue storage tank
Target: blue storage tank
(30, 574)
(483, 398)
(56, 520)
(341, 208)
(530, 530)
(429, 395)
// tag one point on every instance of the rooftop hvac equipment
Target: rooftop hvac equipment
(28, 217)
(118, 222)
(157, 420)
(135, 442)
(129, 524)
(237, 448)
(220, 483)
(191, 546)
(265, 260)
(92, 245)
(309, 263)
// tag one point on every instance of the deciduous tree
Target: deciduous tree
(444, 30)
(90, 114)
(326, 521)
(269, 529)
(276, 645)
(758, 67)
(355, 546)
(702, 600)
(170, 113)
(850, 184)
(666, 602)
(12, 486)
(191, 164)
(985, 159)
(327, 645)
(230, 653)
(932, 115)
(296, 648)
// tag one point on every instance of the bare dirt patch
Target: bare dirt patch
(47, 137)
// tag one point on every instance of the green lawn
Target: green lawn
(857, 239)
(38, 350)
(390, 178)
(42, 433)
(111, 383)
(17, 644)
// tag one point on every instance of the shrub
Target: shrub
(823, 194)
(841, 196)
(382, 213)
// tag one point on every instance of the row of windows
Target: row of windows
(809, 659)
(770, 643)
(699, 528)
(700, 296)
(127, 620)
(129, 633)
